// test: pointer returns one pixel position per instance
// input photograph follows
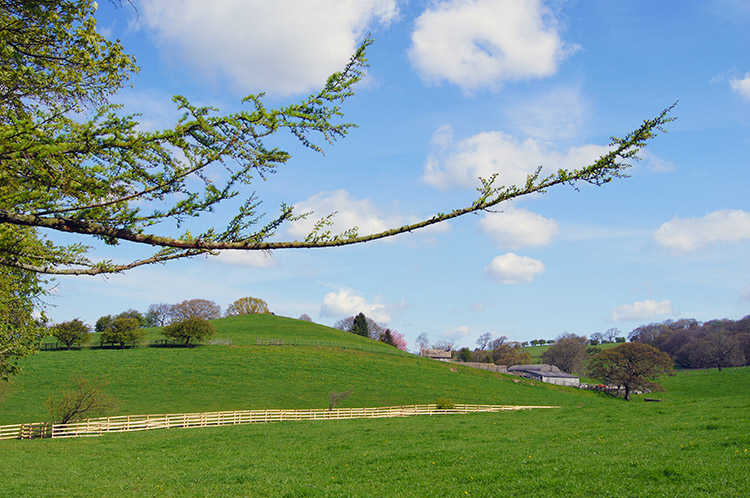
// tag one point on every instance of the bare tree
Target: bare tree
(201, 308)
(496, 343)
(422, 341)
(334, 398)
(158, 315)
(483, 340)
(87, 399)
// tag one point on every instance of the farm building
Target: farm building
(437, 354)
(545, 373)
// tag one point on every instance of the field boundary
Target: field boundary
(130, 423)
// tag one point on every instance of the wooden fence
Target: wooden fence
(128, 423)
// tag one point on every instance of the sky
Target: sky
(458, 90)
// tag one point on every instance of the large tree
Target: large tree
(632, 365)
(73, 163)
(123, 331)
(568, 353)
(71, 332)
(190, 329)
(201, 308)
(247, 306)
(359, 325)
(20, 332)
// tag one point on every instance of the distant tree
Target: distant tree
(359, 326)
(611, 334)
(399, 340)
(496, 343)
(465, 354)
(593, 350)
(550, 341)
(510, 353)
(483, 340)
(718, 350)
(131, 313)
(631, 365)
(71, 332)
(103, 323)
(123, 331)
(445, 344)
(568, 353)
(193, 329)
(374, 330)
(158, 315)
(248, 306)
(422, 341)
(596, 338)
(387, 338)
(620, 339)
(305, 317)
(87, 399)
(482, 356)
(201, 308)
(649, 334)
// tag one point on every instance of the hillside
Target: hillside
(241, 376)
(695, 443)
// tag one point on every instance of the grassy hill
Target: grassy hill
(242, 376)
(695, 443)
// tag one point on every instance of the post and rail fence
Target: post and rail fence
(128, 423)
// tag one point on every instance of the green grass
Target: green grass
(689, 445)
(536, 352)
(695, 443)
(214, 378)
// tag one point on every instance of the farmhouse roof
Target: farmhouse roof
(437, 353)
(542, 369)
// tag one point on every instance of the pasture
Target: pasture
(694, 443)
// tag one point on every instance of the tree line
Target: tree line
(186, 322)
(367, 327)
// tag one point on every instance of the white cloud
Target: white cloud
(457, 333)
(363, 214)
(461, 164)
(344, 303)
(745, 295)
(282, 47)
(514, 269)
(350, 213)
(641, 310)
(517, 228)
(253, 259)
(481, 43)
(741, 86)
(556, 115)
(726, 225)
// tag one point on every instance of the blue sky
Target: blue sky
(458, 90)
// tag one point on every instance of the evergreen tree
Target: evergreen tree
(359, 326)
(387, 338)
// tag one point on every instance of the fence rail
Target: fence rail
(128, 423)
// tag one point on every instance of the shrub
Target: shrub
(85, 400)
(445, 404)
(192, 328)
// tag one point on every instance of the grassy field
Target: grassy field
(243, 376)
(694, 443)
(536, 352)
